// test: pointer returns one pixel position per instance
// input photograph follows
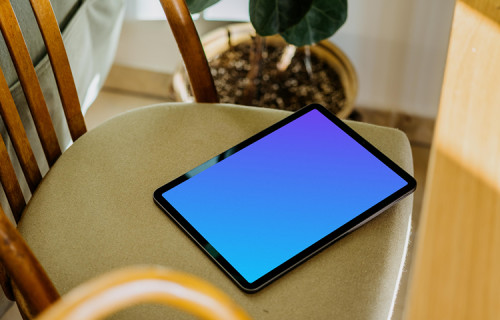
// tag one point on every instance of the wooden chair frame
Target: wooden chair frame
(31, 283)
(36, 102)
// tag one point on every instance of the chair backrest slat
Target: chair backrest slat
(51, 34)
(29, 81)
(18, 136)
(191, 49)
(10, 183)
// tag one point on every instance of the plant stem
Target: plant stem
(229, 44)
(250, 90)
(307, 60)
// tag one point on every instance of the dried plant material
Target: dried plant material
(290, 89)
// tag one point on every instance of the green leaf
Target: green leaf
(269, 17)
(322, 20)
(196, 6)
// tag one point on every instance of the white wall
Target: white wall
(398, 48)
(150, 45)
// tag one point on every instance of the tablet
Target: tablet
(274, 200)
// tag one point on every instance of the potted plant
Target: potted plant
(281, 59)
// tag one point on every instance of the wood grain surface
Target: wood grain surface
(457, 266)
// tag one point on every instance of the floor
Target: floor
(113, 101)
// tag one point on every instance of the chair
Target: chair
(93, 211)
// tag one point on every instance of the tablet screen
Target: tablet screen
(259, 206)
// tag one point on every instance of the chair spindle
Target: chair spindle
(18, 136)
(29, 81)
(191, 49)
(51, 34)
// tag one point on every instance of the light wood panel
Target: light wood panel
(457, 266)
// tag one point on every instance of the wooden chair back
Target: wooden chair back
(26, 72)
(32, 287)
(189, 45)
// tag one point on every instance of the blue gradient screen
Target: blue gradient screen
(273, 199)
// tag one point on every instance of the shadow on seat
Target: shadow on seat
(93, 211)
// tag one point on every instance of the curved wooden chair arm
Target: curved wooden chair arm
(134, 285)
(30, 279)
(191, 49)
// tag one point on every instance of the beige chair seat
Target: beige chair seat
(94, 212)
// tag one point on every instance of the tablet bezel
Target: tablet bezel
(309, 251)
